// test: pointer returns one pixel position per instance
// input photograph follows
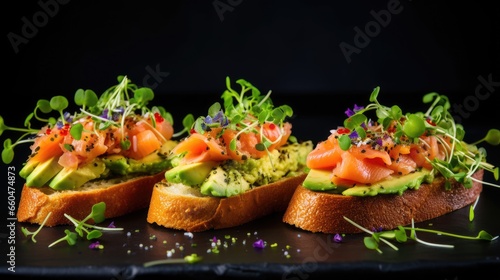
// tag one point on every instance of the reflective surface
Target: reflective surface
(290, 253)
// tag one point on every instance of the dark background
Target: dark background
(185, 49)
(290, 47)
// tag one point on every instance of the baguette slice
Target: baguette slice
(324, 212)
(185, 208)
(122, 196)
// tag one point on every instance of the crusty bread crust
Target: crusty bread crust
(324, 212)
(122, 196)
(195, 213)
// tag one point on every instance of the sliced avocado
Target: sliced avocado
(117, 164)
(151, 164)
(68, 179)
(43, 172)
(28, 168)
(394, 185)
(190, 174)
(152, 167)
(319, 180)
(224, 183)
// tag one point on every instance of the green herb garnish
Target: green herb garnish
(70, 237)
(92, 231)
(81, 227)
(244, 111)
(193, 258)
(112, 108)
(27, 233)
(400, 235)
(462, 160)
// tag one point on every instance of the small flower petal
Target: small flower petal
(94, 245)
(259, 244)
(358, 108)
(337, 238)
(349, 112)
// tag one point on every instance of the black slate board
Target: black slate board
(309, 254)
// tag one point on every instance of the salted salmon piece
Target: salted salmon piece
(90, 145)
(143, 144)
(403, 164)
(69, 160)
(47, 145)
(215, 144)
(365, 152)
(399, 149)
(246, 143)
(362, 171)
(327, 154)
(200, 148)
(278, 136)
(428, 149)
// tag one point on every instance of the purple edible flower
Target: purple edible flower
(353, 135)
(379, 229)
(349, 112)
(337, 238)
(94, 245)
(59, 124)
(104, 114)
(259, 244)
(115, 116)
(358, 108)
(112, 225)
(221, 119)
(67, 117)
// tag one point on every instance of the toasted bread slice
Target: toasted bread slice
(323, 212)
(122, 196)
(185, 208)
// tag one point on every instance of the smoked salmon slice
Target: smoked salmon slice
(327, 154)
(215, 145)
(200, 148)
(47, 146)
(369, 163)
(357, 170)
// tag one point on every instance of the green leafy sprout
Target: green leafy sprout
(244, 112)
(462, 160)
(27, 233)
(111, 108)
(400, 235)
(92, 231)
(190, 259)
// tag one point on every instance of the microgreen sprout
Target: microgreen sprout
(400, 235)
(461, 161)
(57, 103)
(190, 259)
(112, 108)
(187, 123)
(92, 231)
(244, 111)
(27, 233)
(70, 237)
